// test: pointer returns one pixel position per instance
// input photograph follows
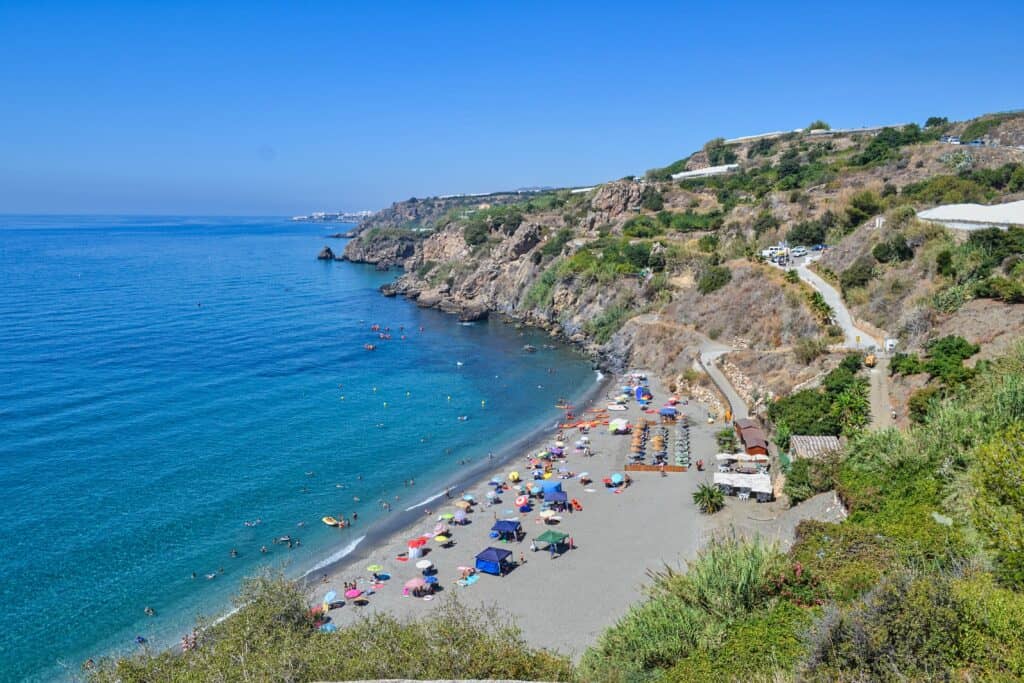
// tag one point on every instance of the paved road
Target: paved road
(853, 337)
(709, 354)
(881, 403)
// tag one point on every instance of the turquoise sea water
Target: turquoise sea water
(165, 380)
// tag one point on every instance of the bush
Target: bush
(764, 222)
(608, 322)
(818, 125)
(936, 122)
(862, 206)
(475, 233)
(996, 474)
(806, 232)
(713, 279)
(808, 349)
(859, 274)
(808, 477)
(708, 243)
(556, 243)
(273, 637)
(895, 249)
(651, 199)
(709, 498)
(906, 364)
(719, 153)
(642, 226)
(921, 402)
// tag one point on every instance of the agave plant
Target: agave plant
(709, 498)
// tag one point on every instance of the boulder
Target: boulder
(325, 254)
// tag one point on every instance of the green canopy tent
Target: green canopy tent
(554, 540)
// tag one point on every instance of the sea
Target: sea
(175, 388)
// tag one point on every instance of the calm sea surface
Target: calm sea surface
(165, 380)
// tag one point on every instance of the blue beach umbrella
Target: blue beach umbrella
(431, 579)
(328, 628)
(468, 496)
(330, 596)
(616, 478)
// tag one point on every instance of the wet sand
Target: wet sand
(566, 602)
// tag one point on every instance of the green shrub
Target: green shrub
(906, 364)
(807, 232)
(642, 226)
(895, 249)
(818, 125)
(556, 243)
(273, 637)
(859, 274)
(807, 477)
(475, 233)
(996, 473)
(651, 199)
(713, 278)
(709, 498)
(862, 206)
(808, 349)
(885, 143)
(608, 322)
(719, 153)
(764, 222)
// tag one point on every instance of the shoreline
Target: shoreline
(384, 531)
(561, 602)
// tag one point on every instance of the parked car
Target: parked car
(797, 252)
(818, 247)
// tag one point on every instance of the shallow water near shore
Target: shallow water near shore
(163, 381)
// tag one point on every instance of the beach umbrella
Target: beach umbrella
(522, 500)
(492, 494)
(468, 497)
(440, 529)
(616, 478)
(330, 596)
(559, 444)
(463, 504)
(328, 628)
(446, 515)
(374, 568)
(431, 579)
(513, 476)
(417, 542)
(441, 539)
(418, 582)
(353, 593)
(460, 516)
(533, 487)
(548, 514)
(583, 475)
(424, 564)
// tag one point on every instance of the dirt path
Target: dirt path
(854, 337)
(710, 351)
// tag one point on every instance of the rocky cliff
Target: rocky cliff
(645, 271)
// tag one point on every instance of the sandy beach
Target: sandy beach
(564, 602)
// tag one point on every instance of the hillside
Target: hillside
(612, 268)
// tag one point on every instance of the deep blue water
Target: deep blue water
(164, 380)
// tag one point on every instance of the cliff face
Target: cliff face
(643, 272)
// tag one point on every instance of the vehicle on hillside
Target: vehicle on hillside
(797, 252)
(818, 247)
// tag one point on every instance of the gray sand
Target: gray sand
(566, 602)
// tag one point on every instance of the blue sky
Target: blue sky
(278, 108)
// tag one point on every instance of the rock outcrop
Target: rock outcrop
(326, 254)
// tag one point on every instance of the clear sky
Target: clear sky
(286, 107)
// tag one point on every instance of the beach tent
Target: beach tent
(493, 561)
(556, 497)
(668, 411)
(553, 539)
(508, 529)
(550, 486)
(639, 393)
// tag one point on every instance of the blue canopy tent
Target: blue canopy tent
(668, 411)
(639, 393)
(550, 486)
(558, 499)
(508, 529)
(493, 561)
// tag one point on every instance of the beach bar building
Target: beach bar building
(745, 485)
(493, 561)
(751, 436)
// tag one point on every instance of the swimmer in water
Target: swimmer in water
(149, 611)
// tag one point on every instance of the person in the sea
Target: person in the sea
(234, 553)
(149, 611)
(263, 549)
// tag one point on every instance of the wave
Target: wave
(347, 550)
(424, 502)
(600, 375)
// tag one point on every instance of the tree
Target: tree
(718, 152)
(818, 125)
(806, 232)
(936, 121)
(852, 408)
(709, 498)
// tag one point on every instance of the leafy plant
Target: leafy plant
(709, 498)
(713, 278)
